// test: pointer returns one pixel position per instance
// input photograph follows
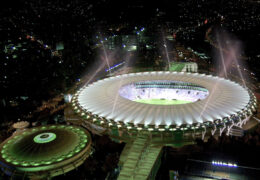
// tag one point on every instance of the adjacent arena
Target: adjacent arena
(45, 151)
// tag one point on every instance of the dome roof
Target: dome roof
(44, 148)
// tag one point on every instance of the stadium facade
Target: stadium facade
(211, 104)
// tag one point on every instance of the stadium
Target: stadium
(165, 101)
(45, 151)
(149, 110)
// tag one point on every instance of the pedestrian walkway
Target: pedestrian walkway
(139, 160)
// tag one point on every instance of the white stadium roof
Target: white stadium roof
(102, 98)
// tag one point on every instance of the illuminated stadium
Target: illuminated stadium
(45, 151)
(165, 101)
(149, 110)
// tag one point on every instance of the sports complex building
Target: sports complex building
(44, 152)
(150, 110)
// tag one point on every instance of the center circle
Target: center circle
(163, 92)
(44, 137)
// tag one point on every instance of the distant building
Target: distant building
(184, 67)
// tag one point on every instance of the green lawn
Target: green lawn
(162, 102)
(177, 66)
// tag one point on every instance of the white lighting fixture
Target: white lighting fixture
(220, 163)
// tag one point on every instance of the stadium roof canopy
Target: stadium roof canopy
(226, 98)
(45, 151)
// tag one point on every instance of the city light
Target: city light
(220, 163)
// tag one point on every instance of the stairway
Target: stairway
(140, 159)
(146, 163)
(125, 153)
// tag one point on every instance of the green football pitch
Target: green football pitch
(162, 101)
(175, 66)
